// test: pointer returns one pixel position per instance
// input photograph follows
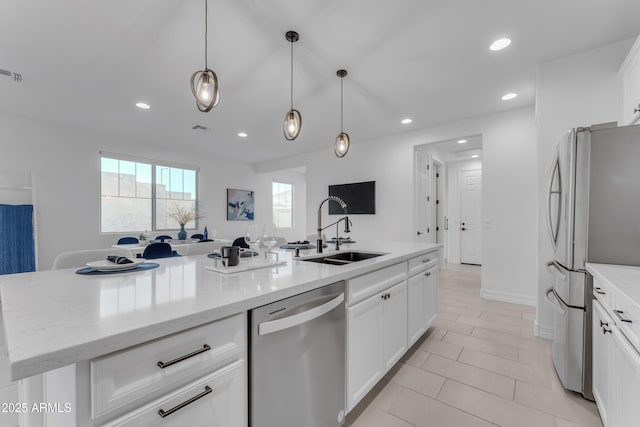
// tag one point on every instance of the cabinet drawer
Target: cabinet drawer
(422, 263)
(627, 319)
(147, 370)
(219, 399)
(602, 293)
(362, 287)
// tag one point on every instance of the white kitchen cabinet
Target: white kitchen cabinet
(394, 325)
(616, 359)
(602, 361)
(630, 73)
(376, 334)
(422, 291)
(218, 399)
(129, 387)
(626, 382)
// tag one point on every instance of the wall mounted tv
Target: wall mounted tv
(360, 198)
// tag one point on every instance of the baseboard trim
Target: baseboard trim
(508, 297)
(542, 331)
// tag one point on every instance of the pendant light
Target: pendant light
(293, 119)
(341, 147)
(204, 83)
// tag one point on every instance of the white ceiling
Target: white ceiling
(452, 150)
(86, 63)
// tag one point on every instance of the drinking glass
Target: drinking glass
(253, 237)
(269, 240)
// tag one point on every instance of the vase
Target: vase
(182, 234)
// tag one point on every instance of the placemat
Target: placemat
(93, 271)
(245, 254)
(245, 266)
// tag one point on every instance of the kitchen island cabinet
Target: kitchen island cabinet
(616, 352)
(65, 325)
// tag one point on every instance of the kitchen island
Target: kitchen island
(54, 319)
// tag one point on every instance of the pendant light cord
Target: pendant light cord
(206, 31)
(341, 101)
(292, 75)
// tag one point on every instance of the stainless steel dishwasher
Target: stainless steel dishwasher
(297, 363)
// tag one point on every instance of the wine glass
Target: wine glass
(253, 237)
(213, 233)
(269, 238)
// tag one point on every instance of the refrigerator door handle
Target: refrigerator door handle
(557, 193)
(555, 304)
(553, 268)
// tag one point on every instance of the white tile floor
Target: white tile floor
(479, 365)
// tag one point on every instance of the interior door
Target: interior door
(470, 216)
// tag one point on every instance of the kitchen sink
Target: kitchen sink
(342, 258)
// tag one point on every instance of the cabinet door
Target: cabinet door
(364, 366)
(394, 325)
(626, 382)
(602, 348)
(415, 308)
(430, 296)
(219, 399)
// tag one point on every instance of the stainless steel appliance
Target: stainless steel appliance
(593, 215)
(297, 366)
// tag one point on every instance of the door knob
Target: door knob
(463, 228)
(419, 233)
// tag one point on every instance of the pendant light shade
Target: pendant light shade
(292, 124)
(341, 147)
(204, 86)
(204, 83)
(292, 120)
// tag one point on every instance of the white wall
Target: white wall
(66, 165)
(453, 170)
(579, 90)
(509, 192)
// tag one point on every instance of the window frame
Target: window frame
(291, 184)
(153, 163)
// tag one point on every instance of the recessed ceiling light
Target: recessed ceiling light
(500, 44)
(475, 156)
(143, 105)
(462, 141)
(509, 96)
(242, 134)
(406, 121)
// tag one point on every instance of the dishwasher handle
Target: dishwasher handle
(299, 318)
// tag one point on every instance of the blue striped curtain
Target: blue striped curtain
(17, 249)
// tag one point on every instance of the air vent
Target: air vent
(201, 128)
(17, 77)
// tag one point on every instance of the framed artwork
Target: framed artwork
(240, 205)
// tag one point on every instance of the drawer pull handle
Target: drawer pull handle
(386, 296)
(163, 365)
(428, 273)
(603, 323)
(599, 291)
(164, 413)
(605, 330)
(619, 314)
(426, 260)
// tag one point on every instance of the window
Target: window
(137, 194)
(282, 200)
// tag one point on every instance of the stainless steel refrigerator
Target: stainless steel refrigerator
(593, 208)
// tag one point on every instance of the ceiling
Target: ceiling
(86, 63)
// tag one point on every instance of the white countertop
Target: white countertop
(624, 278)
(56, 318)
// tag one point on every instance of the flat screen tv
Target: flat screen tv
(360, 198)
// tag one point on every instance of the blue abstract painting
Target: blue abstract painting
(240, 205)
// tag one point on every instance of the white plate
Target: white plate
(105, 265)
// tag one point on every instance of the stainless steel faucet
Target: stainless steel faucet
(344, 208)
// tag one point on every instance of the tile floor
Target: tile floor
(479, 365)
